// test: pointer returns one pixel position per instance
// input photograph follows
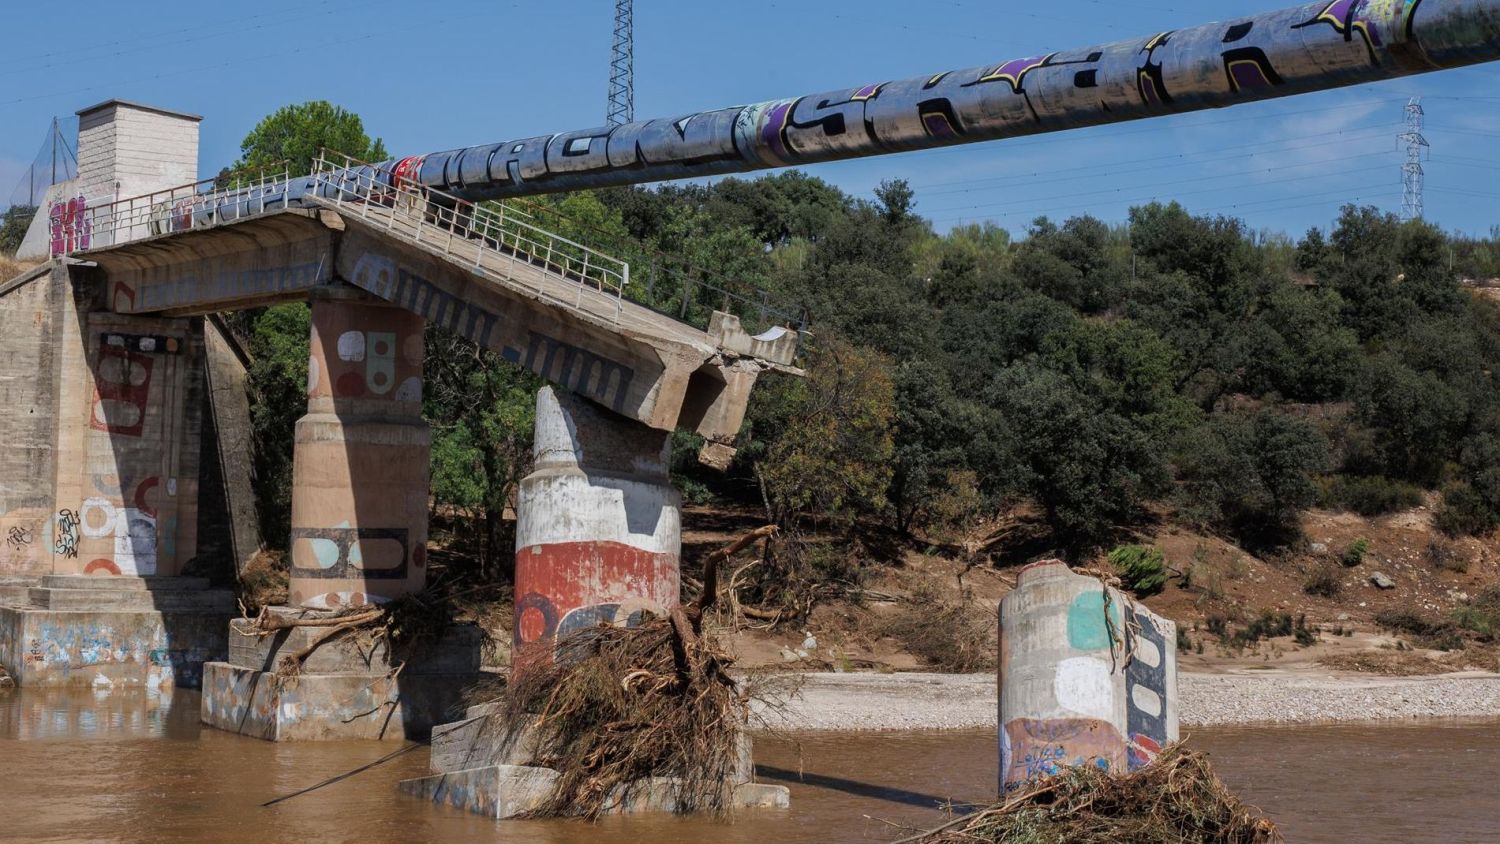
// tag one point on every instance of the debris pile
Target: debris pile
(616, 708)
(1177, 798)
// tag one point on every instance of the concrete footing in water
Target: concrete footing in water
(480, 767)
(344, 690)
(104, 632)
(1087, 677)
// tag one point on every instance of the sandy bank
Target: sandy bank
(967, 701)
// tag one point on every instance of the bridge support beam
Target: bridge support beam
(360, 471)
(598, 523)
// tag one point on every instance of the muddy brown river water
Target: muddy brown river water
(132, 767)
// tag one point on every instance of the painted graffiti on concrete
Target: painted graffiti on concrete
(581, 371)
(65, 534)
(71, 226)
(122, 391)
(1146, 690)
(133, 531)
(1087, 677)
(18, 537)
(349, 552)
(1272, 54)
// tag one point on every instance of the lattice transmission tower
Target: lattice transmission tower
(622, 67)
(1411, 171)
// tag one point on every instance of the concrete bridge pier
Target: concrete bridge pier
(359, 537)
(1087, 676)
(360, 471)
(598, 525)
(598, 541)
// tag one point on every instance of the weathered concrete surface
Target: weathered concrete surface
(128, 468)
(458, 652)
(598, 524)
(323, 707)
(278, 257)
(1086, 677)
(349, 688)
(482, 739)
(34, 309)
(228, 450)
(109, 648)
(360, 472)
(131, 149)
(506, 791)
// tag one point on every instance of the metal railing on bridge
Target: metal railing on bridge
(493, 236)
(84, 223)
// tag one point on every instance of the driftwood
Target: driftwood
(266, 624)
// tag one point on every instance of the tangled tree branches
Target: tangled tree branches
(407, 625)
(1176, 799)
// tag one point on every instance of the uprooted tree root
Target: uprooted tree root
(1176, 799)
(617, 707)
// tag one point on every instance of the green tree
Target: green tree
(13, 227)
(296, 133)
(821, 446)
(482, 410)
(1250, 475)
(278, 398)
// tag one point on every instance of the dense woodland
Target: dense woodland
(1098, 376)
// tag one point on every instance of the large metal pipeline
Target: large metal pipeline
(1293, 51)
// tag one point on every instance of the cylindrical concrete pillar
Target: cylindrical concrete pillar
(360, 472)
(1087, 677)
(598, 524)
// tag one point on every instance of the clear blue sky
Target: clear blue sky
(443, 73)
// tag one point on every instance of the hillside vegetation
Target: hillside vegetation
(1067, 391)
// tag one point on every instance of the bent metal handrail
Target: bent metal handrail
(444, 222)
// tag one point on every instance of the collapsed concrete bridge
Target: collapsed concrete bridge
(120, 393)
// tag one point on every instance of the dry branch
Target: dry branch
(1176, 798)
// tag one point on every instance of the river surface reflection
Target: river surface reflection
(135, 767)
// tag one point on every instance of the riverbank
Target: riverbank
(844, 702)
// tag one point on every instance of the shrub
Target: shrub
(1465, 512)
(1446, 557)
(1143, 570)
(951, 635)
(1324, 583)
(1439, 635)
(1305, 636)
(1184, 642)
(1218, 625)
(1269, 625)
(1368, 496)
(1355, 553)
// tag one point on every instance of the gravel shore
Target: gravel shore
(967, 701)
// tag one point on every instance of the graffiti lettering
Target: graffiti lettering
(1332, 42)
(18, 537)
(66, 542)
